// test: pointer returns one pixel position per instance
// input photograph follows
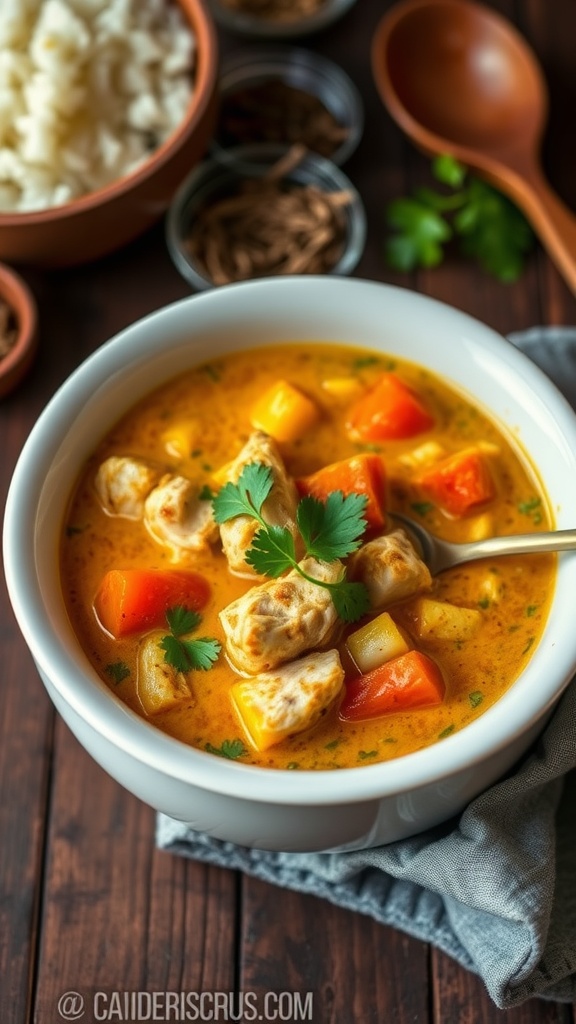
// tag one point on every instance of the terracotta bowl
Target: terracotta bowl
(18, 297)
(104, 220)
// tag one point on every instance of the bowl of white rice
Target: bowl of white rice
(105, 105)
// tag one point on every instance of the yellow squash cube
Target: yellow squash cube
(284, 412)
(343, 388)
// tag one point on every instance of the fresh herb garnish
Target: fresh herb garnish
(118, 670)
(421, 507)
(232, 749)
(489, 227)
(446, 732)
(476, 698)
(206, 493)
(185, 653)
(330, 530)
(363, 755)
(532, 508)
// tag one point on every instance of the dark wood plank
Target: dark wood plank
(461, 996)
(355, 969)
(118, 915)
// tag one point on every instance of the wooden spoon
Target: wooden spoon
(459, 79)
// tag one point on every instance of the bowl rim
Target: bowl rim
(205, 82)
(18, 296)
(103, 712)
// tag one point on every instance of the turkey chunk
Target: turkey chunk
(288, 699)
(159, 685)
(123, 483)
(177, 517)
(279, 509)
(390, 569)
(279, 620)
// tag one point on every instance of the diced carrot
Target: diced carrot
(412, 680)
(460, 482)
(136, 600)
(390, 410)
(360, 474)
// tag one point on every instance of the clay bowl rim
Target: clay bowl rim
(199, 17)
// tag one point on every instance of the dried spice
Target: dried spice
(269, 225)
(276, 10)
(8, 329)
(274, 111)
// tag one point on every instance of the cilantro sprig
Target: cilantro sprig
(330, 530)
(489, 227)
(183, 652)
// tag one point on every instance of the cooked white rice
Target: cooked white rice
(87, 89)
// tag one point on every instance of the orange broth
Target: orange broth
(513, 593)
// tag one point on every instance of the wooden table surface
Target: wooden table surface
(86, 902)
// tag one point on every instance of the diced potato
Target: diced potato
(490, 589)
(159, 685)
(424, 455)
(376, 642)
(480, 527)
(288, 699)
(344, 388)
(284, 412)
(182, 438)
(438, 620)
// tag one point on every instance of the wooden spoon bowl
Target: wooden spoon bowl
(459, 79)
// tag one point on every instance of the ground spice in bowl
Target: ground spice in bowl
(287, 95)
(276, 10)
(275, 111)
(295, 215)
(8, 329)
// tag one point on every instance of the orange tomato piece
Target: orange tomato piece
(412, 680)
(390, 410)
(136, 600)
(360, 474)
(460, 482)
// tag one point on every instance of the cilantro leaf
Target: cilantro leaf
(334, 528)
(330, 530)
(489, 227)
(494, 231)
(448, 170)
(420, 231)
(351, 600)
(272, 551)
(174, 653)
(182, 620)
(186, 655)
(118, 670)
(232, 749)
(191, 653)
(245, 497)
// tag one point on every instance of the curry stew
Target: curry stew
(232, 568)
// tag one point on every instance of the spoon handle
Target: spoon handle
(556, 540)
(551, 219)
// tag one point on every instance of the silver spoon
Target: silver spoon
(442, 554)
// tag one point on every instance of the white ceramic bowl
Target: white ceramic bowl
(349, 808)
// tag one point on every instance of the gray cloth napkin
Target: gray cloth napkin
(494, 888)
